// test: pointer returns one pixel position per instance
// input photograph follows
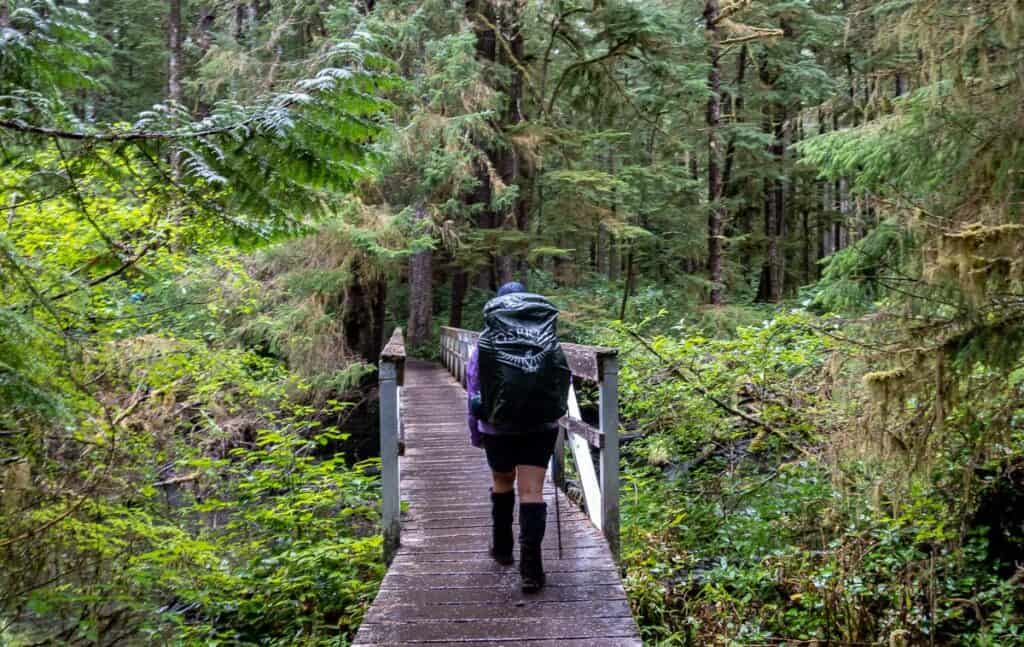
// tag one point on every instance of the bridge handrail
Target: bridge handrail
(390, 377)
(596, 364)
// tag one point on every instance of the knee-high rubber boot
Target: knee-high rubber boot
(532, 521)
(502, 507)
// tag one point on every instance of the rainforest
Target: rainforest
(799, 222)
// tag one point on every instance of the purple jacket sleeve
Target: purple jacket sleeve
(473, 389)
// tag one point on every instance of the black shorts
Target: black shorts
(505, 451)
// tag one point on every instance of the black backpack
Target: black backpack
(524, 375)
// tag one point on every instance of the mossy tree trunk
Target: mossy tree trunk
(716, 212)
(421, 290)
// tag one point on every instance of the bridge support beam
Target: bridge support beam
(389, 376)
(608, 412)
(390, 505)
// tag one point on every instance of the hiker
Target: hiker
(517, 382)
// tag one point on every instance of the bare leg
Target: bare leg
(531, 483)
(503, 481)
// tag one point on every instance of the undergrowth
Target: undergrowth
(764, 501)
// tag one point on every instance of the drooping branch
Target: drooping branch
(614, 51)
(718, 402)
(730, 9)
(756, 33)
(126, 136)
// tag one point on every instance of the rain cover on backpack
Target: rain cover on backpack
(524, 375)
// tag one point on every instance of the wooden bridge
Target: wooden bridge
(442, 586)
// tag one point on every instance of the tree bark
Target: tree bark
(614, 262)
(207, 16)
(460, 282)
(174, 63)
(773, 272)
(174, 57)
(363, 316)
(778, 264)
(421, 290)
(716, 213)
(506, 49)
(737, 106)
(627, 289)
(602, 249)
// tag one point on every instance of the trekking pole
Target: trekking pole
(558, 522)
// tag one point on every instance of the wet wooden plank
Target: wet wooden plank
(502, 594)
(531, 642)
(508, 578)
(460, 556)
(533, 609)
(408, 565)
(511, 629)
(562, 642)
(443, 588)
(478, 520)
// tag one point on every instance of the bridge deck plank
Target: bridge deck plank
(443, 588)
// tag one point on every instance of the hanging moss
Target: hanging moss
(982, 257)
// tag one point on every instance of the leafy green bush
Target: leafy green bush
(761, 504)
(219, 515)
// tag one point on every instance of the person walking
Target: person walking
(517, 384)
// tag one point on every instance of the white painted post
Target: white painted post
(390, 505)
(592, 495)
(609, 423)
(398, 418)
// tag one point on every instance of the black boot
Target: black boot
(502, 506)
(533, 518)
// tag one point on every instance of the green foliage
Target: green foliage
(734, 534)
(47, 50)
(856, 277)
(221, 517)
(161, 481)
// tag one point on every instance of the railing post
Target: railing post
(609, 425)
(463, 359)
(390, 506)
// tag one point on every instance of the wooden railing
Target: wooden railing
(390, 374)
(593, 364)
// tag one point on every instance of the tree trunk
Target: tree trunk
(716, 213)
(504, 269)
(778, 266)
(421, 290)
(363, 316)
(773, 272)
(614, 262)
(602, 249)
(485, 16)
(207, 16)
(808, 262)
(460, 282)
(736, 106)
(627, 289)
(174, 52)
(766, 285)
(174, 62)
